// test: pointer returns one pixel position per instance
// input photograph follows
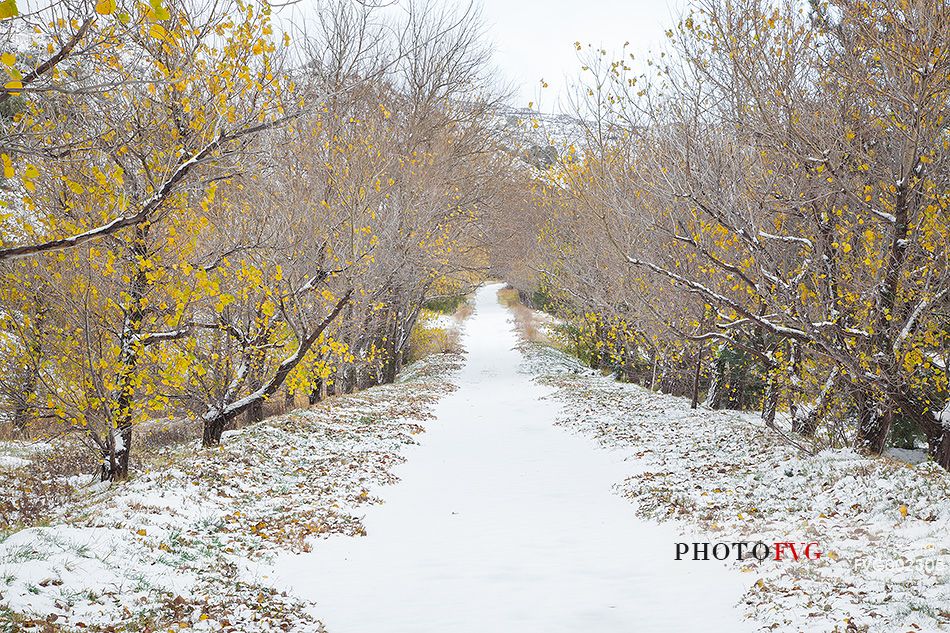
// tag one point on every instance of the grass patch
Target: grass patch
(508, 297)
(445, 305)
(429, 338)
(527, 322)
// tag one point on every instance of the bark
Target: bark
(874, 422)
(938, 435)
(716, 378)
(25, 411)
(120, 440)
(792, 404)
(808, 424)
(391, 365)
(876, 411)
(897, 255)
(316, 394)
(694, 403)
(940, 449)
(364, 377)
(770, 403)
(213, 429)
(349, 379)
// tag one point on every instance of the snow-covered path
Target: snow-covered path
(504, 522)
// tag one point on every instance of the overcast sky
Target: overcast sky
(534, 39)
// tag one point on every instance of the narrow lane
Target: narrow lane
(505, 523)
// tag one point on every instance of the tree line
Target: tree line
(201, 212)
(758, 218)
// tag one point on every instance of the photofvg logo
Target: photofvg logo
(863, 564)
(744, 550)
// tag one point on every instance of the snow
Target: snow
(883, 524)
(11, 461)
(86, 568)
(944, 416)
(442, 322)
(16, 454)
(177, 546)
(119, 441)
(909, 456)
(504, 522)
(544, 496)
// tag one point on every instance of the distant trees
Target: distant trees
(201, 213)
(777, 197)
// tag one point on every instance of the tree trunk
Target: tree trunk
(316, 394)
(696, 374)
(874, 423)
(25, 410)
(938, 435)
(120, 440)
(716, 381)
(808, 424)
(770, 402)
(940, 449)
(367, 377)
(349, 379)
(218, 416)
(213, 429)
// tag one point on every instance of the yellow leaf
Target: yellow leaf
(903, 511)
(141, 532)
(105, 7)
(157, 31)
(7, 166)
(8, 59)
(158, 12)
(8, 9)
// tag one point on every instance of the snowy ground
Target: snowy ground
(542, 497)
(181, 547)
(883, 524)
(504, 522)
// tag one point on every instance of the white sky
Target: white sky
(534, 39)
